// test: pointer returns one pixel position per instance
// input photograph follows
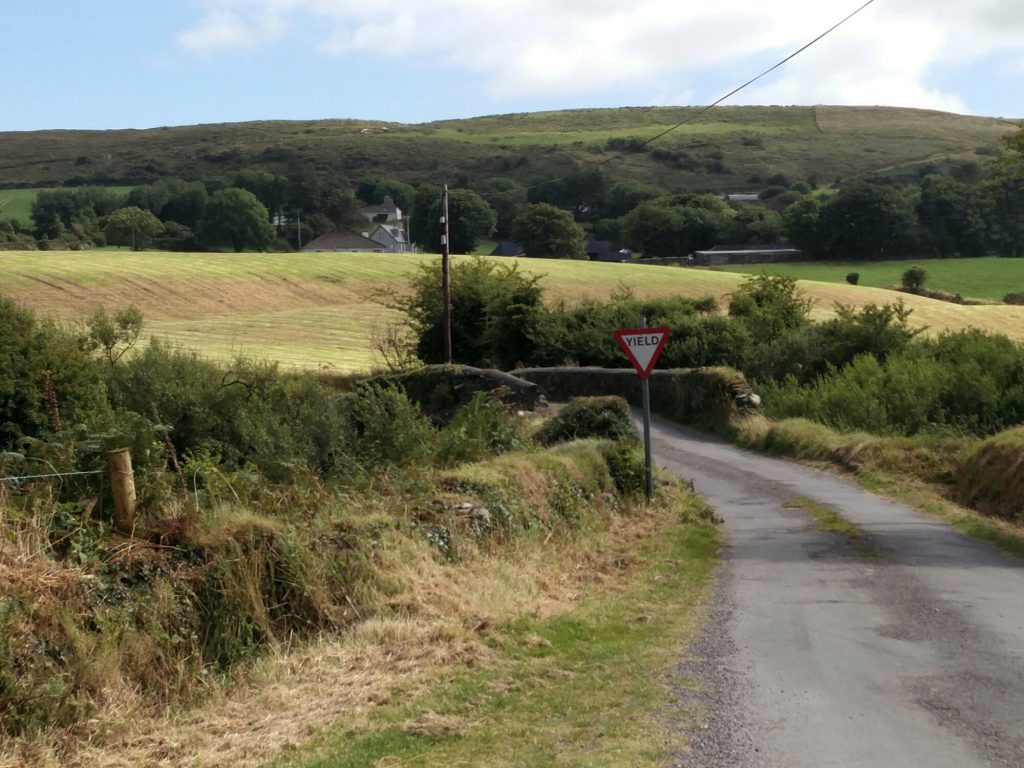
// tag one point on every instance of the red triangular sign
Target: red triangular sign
(643, 347)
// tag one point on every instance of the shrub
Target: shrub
(769, 305)
(913, 279)
(29, 349)
(386, 428)
(1014, 298)
(853, 278)
(251, 413)
(480, 429)
(493, 310)
(626, 465)
(604, 417)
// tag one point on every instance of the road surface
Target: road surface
(817, 655)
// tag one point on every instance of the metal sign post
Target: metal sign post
(643, 347)
(645, 396)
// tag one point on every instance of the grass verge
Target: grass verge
(931, 499)
(585, 687)
(920, 472)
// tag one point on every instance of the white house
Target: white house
(386, 212)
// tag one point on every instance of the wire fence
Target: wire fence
(51, 475)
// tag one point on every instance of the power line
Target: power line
(699, 113)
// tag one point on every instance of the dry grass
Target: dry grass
(318, 310)
(435, 620)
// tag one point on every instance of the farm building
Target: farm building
(722, 255)
(343, 242)
(602, 250)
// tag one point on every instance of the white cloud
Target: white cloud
(559, 48)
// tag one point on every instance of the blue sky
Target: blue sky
(110, 64)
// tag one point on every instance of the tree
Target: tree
(913, 279)
(234, 217)
(800, 223)
(494, 311)
(186, 204)
(374, 192)
(677, 225)
(151, 197)
(550, 232)
(584, 192)
(952, 217)
(115, 336)
(869, 221)
(769, 305)
(132, 226)
(471, 220)
(627, 195)
(654, 230)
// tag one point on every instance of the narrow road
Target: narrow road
(820, 655)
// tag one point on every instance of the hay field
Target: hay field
(319, 310)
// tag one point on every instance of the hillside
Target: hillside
(318, 310)
(730, 149)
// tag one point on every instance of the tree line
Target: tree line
(939, 216)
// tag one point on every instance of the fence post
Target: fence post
(122, 484)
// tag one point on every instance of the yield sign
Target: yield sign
(643, 347)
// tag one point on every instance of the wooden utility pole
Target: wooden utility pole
(122, 483)
(446, 280)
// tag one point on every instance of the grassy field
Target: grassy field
(988, 278)
(320, 310)
(17, 203)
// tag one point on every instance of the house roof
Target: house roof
(754, 247)
(342, 241)
(388, 206)
(766, 250)
(396, 233)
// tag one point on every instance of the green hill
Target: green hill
(730, 149)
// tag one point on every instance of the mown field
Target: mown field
(988, 278)
(320, 310)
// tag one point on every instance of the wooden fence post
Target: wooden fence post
(122, 483)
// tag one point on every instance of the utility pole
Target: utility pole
(446, 281)
(298, 227)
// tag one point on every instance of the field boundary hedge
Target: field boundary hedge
(710, 397)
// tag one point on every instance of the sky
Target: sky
(147, 63)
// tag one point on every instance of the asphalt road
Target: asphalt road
(817, 655)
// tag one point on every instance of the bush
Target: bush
(769, 305)
(913, 279)
(482, 428)
(386, 429)
(967, 381)
(493, 311)
(29, 349)
(853, 278)
(250, 414)
(626, 465)
(1014, 298)
(583, 417)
